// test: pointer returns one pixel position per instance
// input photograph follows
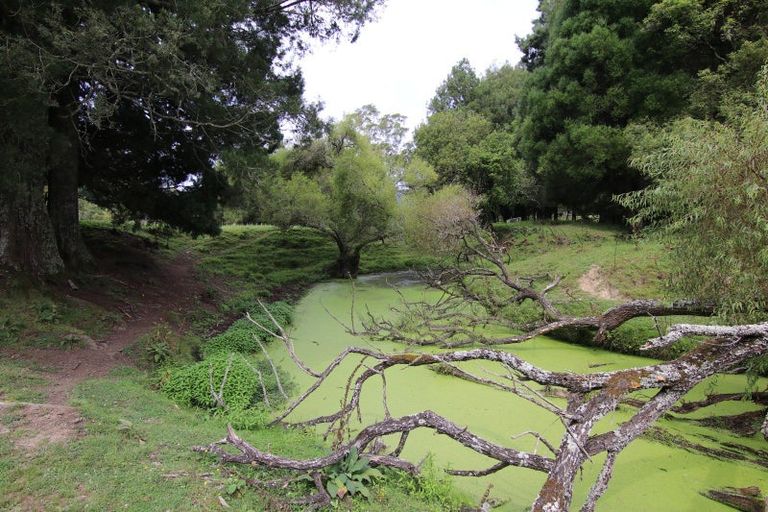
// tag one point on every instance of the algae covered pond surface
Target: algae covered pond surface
(649, 475)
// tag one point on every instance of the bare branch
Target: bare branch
(680, 331)
(601, 484)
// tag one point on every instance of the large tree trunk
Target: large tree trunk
(348, 264)
(26, 236)
(64, 161)
(348, 261)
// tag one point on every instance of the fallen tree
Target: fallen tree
(588, 397)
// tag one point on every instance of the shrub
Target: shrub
(162, 346)
(243, 335)
(195, 385)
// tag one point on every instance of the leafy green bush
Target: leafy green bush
(235, 378)
(242, 336)
(163, 345)
(48, 313)
(351, 475)
(252, 418)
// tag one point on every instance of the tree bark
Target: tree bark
(348, 262)
(64, 161)
(27, 241)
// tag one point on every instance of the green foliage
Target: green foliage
(253, 418)
(351, 475)
(158, 352)
(458, 89)
(601, 65)
(435, 223)
(709, 196)
(722, 42)
(244, 336)
(500, 175)
(419, 175)
(432, 484)
(446, 140)
(467, 138)
(497, 95)
(9, 330)
(235, 377)
(48, 312)
(164, 345)
(353, 201)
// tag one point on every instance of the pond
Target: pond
(649, 475)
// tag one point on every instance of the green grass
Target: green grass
(264, 262)
(21, 382)
(136, 456)
(636, 267)
(37, 314)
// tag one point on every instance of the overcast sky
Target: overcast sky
(399, 60)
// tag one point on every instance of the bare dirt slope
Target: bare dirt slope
(595, 283)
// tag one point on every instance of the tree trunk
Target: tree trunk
(64, 161)
(26, 235)
(348, 264)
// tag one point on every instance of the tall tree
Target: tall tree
(497, 95)
(594, 70)
(352, 200)
(468, 140)
(709, 193)
(445, 142)
(598, 66)
(457, 90)
(99, 75)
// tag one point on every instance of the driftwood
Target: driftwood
(747, 499)
(589, 397)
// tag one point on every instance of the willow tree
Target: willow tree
(350, 197)
(137, 100)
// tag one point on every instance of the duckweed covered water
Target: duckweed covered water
(648, 475)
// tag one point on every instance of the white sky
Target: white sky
(398, 61)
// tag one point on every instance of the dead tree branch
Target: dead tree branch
(452, 322)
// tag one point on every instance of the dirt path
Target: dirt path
(594, 283)
(155, 291)
(170, 287)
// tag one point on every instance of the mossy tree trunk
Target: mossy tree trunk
(347, 263)
(64, 161)
(27, 241)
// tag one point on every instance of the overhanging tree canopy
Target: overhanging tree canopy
(137, 100)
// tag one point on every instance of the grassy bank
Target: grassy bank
(601, 266)
(131, 449)
(134, 454)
